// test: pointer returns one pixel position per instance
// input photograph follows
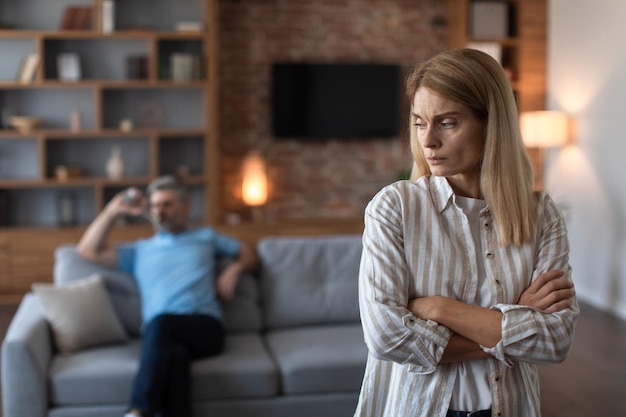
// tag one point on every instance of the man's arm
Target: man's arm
(92, 246)
(246, 260)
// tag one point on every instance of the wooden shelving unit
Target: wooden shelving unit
(175, 122)
(523, 48)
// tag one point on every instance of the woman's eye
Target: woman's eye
(420, 124)
(447, 124)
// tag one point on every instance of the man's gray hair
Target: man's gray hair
(168, 182)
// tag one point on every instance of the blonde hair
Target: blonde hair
(476, 80)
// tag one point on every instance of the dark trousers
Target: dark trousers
(169, 343)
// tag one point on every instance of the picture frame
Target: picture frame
(68, 67)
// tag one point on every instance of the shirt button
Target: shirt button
(489, 255)
(486, 225)
(496, 378)
(496, 282)
(498, 413)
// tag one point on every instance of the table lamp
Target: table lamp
(544, 129)
(254, 184)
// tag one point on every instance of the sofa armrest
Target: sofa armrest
(26, 353)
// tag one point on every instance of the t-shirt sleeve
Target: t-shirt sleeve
(226, 246)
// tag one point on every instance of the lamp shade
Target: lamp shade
(543, 129)
(254, 185)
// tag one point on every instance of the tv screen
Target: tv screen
(312, 100)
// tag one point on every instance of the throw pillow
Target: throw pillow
(80, 313)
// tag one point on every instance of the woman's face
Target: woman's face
(452, 140)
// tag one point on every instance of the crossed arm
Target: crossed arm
(474, 326)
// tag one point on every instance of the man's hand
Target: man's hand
(549, 292)
(130, 201)
(227, 282)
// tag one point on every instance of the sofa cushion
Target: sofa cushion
(319, 359)
(309, 280)
(241, 314)
(105, 375)
(244, 370)
(69, 266)
(94, 376)
(80, 314)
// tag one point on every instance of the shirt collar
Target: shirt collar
(442, 194)
(440, 191)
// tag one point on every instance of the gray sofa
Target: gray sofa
(294, 345)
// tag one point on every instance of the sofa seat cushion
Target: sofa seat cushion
(101, 375)
(105, 375)
(244, 370)
(319, 359)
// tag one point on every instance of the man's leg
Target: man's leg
(149, 382)
(199, 336)
(169, 343)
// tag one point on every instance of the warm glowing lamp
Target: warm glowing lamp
(544, 129)
(254, 185)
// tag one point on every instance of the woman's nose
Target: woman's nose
(428, 138)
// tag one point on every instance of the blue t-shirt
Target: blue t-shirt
(175, 273)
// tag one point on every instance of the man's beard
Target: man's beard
(160, 225)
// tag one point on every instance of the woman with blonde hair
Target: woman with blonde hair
(465, 283)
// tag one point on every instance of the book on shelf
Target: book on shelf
(76, 18)
(96, 17)
(28, 69)
(107, 16)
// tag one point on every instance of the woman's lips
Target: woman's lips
(435, 160)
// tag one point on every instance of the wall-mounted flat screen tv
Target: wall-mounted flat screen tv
(335, 100)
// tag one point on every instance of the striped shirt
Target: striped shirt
(417, 242)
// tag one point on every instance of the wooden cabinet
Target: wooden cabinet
(523, 46)
(146, 74)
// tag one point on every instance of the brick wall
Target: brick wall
(322, 178)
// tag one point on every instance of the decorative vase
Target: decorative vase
(115, 163)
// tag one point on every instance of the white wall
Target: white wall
(587, 77)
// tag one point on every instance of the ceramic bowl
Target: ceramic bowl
(25, 124)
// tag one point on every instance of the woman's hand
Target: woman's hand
(550, 292)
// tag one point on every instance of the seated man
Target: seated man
(175, 274)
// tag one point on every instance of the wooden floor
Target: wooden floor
(591, 382)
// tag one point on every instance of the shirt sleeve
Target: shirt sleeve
(392, 332)
(531, 335)
(225, 245)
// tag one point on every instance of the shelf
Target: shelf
(523, 51)
(171, 116)
(88, 182)
(97, 134)
(121, 74)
